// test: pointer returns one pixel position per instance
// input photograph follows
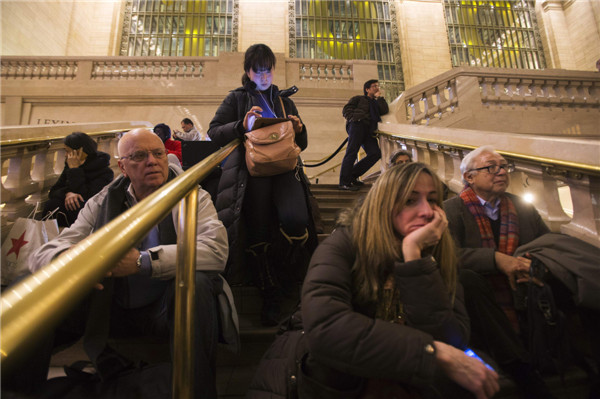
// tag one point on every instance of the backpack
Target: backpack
(546, 324)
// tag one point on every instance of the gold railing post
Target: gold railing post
(183, 348)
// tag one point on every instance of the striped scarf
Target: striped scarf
(507, 244)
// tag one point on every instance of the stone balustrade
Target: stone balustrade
(146, 69)
(203, 70)
(24, 68)
(324, 70)
(486, 98)
(544, 166)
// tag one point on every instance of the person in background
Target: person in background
(189, 132)
(362, 114)
(382, 310)
(400, 157)
(172, 146)
(85, 173)
(273, 209)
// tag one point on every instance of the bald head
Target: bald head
(143, 159)
(134, 136)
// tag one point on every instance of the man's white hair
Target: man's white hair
(468, 161)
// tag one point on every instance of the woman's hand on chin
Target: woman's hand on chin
(426, 236)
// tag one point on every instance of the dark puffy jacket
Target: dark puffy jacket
(357, 108)
(227, 125)
(347, 344)
(86, 180)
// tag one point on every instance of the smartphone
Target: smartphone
(262, 122)
(469, 352)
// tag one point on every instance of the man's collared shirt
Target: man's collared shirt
(491, 211)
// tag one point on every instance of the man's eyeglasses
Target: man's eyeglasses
(140, 156)
(495, 169)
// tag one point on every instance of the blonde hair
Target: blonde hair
(378, 244)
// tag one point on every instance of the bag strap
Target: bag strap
(283, 107)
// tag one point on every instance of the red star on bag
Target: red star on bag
(17, 244)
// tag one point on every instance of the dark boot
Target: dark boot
(295, 260)
(265, 280)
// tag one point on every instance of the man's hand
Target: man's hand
(125, 267)
(296, 123)
(73, 201)
(515, 268)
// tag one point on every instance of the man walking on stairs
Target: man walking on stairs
(362, 114)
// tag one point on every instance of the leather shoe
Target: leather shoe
(357, 183)
(348, 187)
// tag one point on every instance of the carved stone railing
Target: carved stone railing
(33, 157)
(321, 70)
(494, 99)
(213, 72)
(544, 165)
(62, 68)
(24, 68)
(148, 69)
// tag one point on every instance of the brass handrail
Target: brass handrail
(446, 145)
(36, 305)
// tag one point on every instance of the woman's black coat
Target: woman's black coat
(226, 126)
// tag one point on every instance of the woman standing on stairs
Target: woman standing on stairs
(382, 310)
(273, 209)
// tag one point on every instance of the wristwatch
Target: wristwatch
(138, 262)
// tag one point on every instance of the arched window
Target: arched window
(179, 28)
(494, 34)
(344, 30)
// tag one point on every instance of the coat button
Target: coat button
(429, 349)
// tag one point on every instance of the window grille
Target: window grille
(344, 30)
(179, 27)
(494, 34)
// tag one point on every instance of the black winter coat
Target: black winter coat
(86, 180)
(347, 344)
(357, 109)
(227, 125)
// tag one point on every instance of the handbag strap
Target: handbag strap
(283, 107)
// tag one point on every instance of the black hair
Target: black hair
(368, 84)
(163, 130)
(77, 140)
(256, 57)
(187, 121)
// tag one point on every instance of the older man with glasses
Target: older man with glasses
(488, 224)
(137, 296)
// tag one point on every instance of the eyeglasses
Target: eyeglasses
(495, 169)
(140, 156)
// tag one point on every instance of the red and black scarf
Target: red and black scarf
(508, 241)
(509, 222)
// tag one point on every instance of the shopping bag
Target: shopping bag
(26, 235)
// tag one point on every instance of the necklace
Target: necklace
(389, 307)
